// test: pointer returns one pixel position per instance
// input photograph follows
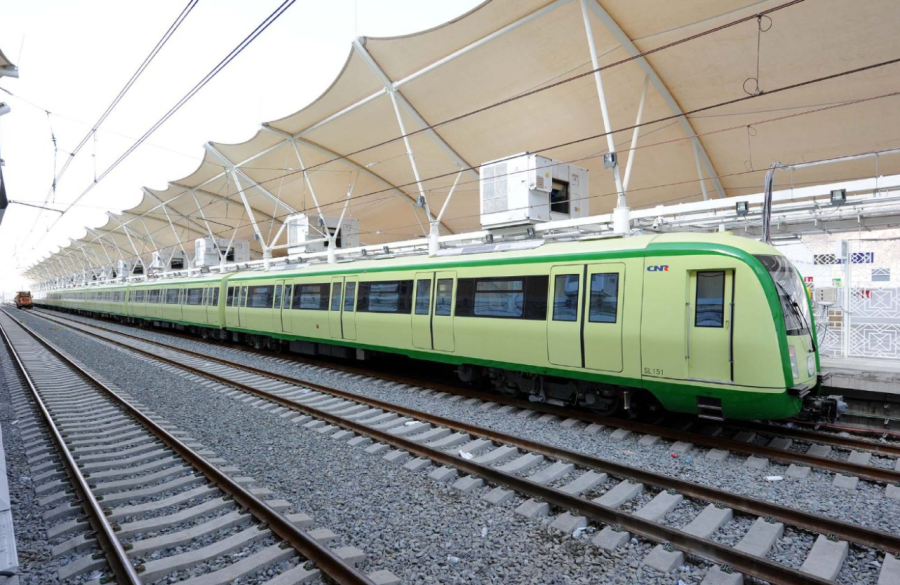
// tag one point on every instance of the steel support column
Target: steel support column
(632, 152)
(623, 39)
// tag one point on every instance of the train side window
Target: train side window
(261, 297)
(288, 295)
(336, 296)
(204, 296)
(349, 296)
(215, 301)
(443, 301)
(229, 300)
(385, 297)
(423, 296)
(311, 297)
(172, 295)
(710, 310)
(277, 302)
(154, 296)
(604, 298)
(194, 296)
(565, 297)
(243, 302)
(499, 298)
(523, 297)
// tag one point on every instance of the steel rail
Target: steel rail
(824, 438)
(326, 560)
(860, 535)
(115, 553)
(702, 547)
(869, 473)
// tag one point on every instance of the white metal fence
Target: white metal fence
(863, 320)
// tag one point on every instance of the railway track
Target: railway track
(846, 456)
(569, 482)
(147, 504)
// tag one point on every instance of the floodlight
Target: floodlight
(838, 196)
(610, 160)
(742, 208)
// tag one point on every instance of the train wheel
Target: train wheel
(606, 407)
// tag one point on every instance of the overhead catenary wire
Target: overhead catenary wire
(671, 117)
(57, 176)
(753, 17)
(706, 108)
(237, 50)
(165, 228)
(645, 146)
(516, 97)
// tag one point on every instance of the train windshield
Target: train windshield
(791, 293)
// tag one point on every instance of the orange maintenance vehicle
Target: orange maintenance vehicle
(23, 299)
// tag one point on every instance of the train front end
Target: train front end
(802, 345)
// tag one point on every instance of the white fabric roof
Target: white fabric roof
(6, 67)
(504, 48)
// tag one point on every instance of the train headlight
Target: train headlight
(794, 369)
(811, 364)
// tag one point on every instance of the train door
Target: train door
(709, 313)
(242, 307)
(421, 319)
(334, 311)
(603, 308)
(286, 308)
(276, 307)
(564, 346)
(348, 314)
(442, 321)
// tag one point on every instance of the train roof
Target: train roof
(486, 252)
(520, 249)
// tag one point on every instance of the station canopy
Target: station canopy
(714, 118)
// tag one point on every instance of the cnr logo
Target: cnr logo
(658, 268)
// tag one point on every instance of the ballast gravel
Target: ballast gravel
(866, 506)
(422, 531)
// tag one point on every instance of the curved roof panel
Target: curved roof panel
(349, 138)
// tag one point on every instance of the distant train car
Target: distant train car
(23, 299)
(715, 325)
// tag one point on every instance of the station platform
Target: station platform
(871, 388)
(864, 374)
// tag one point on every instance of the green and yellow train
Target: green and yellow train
(715, 325)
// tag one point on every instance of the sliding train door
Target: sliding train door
(602, 316)
(564, 326)
(421, 318)
(709, 315)
(442, 317)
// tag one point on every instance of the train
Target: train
(23, 299)
(713, 325)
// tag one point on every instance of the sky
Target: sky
(74, 57)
